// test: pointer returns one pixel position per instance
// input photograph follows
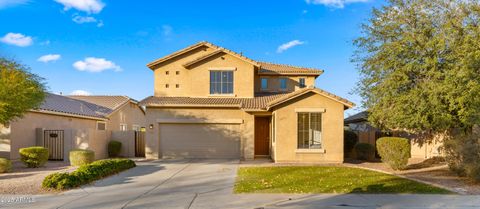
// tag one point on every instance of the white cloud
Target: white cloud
(11, 3)
(288, 45)
(17, 39)
(89, 6)
(80, 93)
(95, 65)
(81, 19)
(167, 30)
(304, 11)
(49, 58)
(334, 3)
(45, 43)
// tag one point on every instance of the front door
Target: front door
(262, 136)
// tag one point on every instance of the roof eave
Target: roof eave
(68, 114)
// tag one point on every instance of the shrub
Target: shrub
(80, 157)
(34, 157)
(5, 165)
(114, 148)
(364, 151)
(394, 151)
(462, 153)
(350, 138)
(87, 173)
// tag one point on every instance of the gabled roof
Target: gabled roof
(196, 46)
(62, 105)
(267, 68)
(260, 102)
(306, 90)
(106, 105)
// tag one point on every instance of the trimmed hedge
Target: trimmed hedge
(364, 151)
(87, 173)
(80, 157)
(34, 157)
(114, 148)
(394, 151)
(5, 165)
(350, 138)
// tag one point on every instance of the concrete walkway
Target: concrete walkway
(209, 184)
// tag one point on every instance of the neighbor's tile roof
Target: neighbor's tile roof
(267, 68)
(259, 102)
(359, 117)
(64, 105)
(103, 104)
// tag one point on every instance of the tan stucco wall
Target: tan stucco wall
(129, 114)
(23, 131)
(285, 145)
(153, 114)
(426, 148)
(274, 83)
(194, 82)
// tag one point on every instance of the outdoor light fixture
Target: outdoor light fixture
(150, 126)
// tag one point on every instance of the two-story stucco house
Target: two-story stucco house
(210, 102)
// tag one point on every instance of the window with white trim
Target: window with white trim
(221, 82)
(123, 127)
(101, 126)
(301, 82)
(309, 130)
(283, 83)
(135, 127)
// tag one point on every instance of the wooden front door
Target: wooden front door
(262, 136)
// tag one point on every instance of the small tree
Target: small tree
(20, 90)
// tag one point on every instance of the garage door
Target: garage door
(200, 140)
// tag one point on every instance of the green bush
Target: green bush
(114, 148)
(394, 151)
(364, 151)
(5, 165)
(34, 157)
(87, 173)
(350, 138)
(80, 157)
(462, 153)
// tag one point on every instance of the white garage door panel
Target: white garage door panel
(200, 140)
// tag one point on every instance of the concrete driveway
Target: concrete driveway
(209, 184)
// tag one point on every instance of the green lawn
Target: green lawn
(325, 179)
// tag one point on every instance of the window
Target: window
(166, 86)
(301, 82)
(221, 82)
(123, 127)
(283, 83)
(177, 72)
(309, 130)
(166, 72)
(177, 86)
(264, 83)
(101, 126)
(135, 127)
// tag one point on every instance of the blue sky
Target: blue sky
(102, 47)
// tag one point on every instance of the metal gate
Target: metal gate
(53, 141)
(139, 144)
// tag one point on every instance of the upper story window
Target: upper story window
(166, 72)
(264, 83)
(283, 83)
(309, 130)
(221, 82)
(301, 82)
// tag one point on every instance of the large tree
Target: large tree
(419, 62)
(20, 90)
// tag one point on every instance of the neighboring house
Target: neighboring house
(210, 102)
(63, 123)
(420, 148)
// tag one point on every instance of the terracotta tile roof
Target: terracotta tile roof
(259, 102)
(64, 105)
(359, 117)
(103, 104)
(267, 68)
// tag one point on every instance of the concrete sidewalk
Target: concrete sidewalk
(209, 184)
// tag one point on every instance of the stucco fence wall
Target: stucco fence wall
(127, 138)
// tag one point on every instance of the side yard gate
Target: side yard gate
(139, 144)
(53, 140)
